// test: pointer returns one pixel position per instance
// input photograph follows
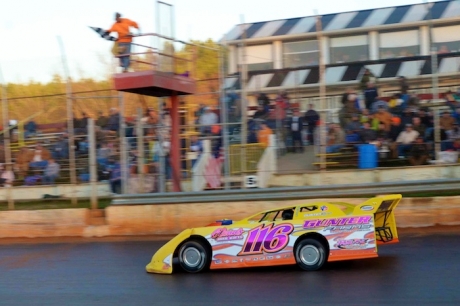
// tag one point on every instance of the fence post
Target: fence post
(92, 163)
(140, 151)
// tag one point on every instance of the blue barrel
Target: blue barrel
(367, 156)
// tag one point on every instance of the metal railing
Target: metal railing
(290, 193)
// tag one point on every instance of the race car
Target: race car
(308, 235)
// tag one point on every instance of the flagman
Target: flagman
(122, 26)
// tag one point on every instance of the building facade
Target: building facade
(391, 42)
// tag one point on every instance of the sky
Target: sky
(29, 50)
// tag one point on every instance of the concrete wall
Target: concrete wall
(171, 219)
(354, 176)
(37, 192)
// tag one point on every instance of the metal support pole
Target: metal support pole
(161, 174)
(322, 93)
(6, 136)
(140, 151)
(175, 143)
(70, 127)
(434, 82)
(244, 102)
(224, 117)
(92, 163)
(123, 147)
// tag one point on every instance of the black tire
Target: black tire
(193, 256)
(310, 254)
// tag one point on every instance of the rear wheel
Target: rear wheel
(193, 256)
(310, 254)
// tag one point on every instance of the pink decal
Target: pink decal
(351, 244)
(224, 234)
(267, 238)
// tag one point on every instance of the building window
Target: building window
(399, 44)
(349, 49)
(446, 39)
(257, 57)
(300, 53)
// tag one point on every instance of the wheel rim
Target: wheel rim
(309, 255)
(192, 257)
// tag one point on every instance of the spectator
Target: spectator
(195, 149)
(405, 140)
(346, 96)
(115, 176)
(354, 126)
(51, 172)
(447, 121)
(207, 120)
(151, 117)
(103, 154)
(39, 157)
(395, 128)
(370, 94)
(311, 117)
(381, 133)
(102, 120)
(264, 101)
(384, 117)
(260, 113)
(407, 117)
(443, 49)
(6, 176)
(418, 126)
(404, 86)
(418, 154)
(367, 134)
(30, 129)
(379, 104)
(113, 124)
(199, 112)
(335, 139)
(22, 161)
(60, 150)
(295, 127)
(368, 77)
(264, 134)
(454, 133)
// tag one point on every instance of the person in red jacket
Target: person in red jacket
(122, 27)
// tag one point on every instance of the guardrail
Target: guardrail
(289, 193)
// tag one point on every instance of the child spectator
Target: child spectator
(264, 134)
(6, 176)
(51, 172)
(40, 157)
(418, 154)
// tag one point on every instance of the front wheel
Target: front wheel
(193, 256)
(310, 254)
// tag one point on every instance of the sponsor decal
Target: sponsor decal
(167, 262)
(224, 234)
(367, 207)
(252, 259)
(351, 244)
(344, 221)
(267, 239)
(324, 208)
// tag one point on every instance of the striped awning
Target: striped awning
(348, 20)
(342, 74)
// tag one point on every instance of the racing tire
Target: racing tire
(310, 254)
(193, 256)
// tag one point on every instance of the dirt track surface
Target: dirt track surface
(421, 270)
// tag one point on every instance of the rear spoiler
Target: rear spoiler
(382, 208)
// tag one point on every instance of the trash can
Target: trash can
(367, 156)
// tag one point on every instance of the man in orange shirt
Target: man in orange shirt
(264, 134)
(121, 26)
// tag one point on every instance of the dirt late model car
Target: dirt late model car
(307, 235)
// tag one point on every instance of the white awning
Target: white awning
(446, 34)
(349, 41)
(257, 54)
(399, 39)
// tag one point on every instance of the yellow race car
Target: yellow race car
(307, 235)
